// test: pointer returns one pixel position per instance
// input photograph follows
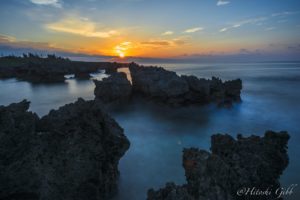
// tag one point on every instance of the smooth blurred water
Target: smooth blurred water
(271, 101)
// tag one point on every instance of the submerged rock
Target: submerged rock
(167, 87)
(115, 89)
(71, 153)
(233, 165)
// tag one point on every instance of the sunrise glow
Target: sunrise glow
(179, 29)
(121, 55)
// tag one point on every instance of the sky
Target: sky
(165, 29)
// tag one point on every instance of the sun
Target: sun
(121, 55)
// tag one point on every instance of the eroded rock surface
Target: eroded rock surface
(70, 154)
(166, 86)
(252, 162)
(114, 89)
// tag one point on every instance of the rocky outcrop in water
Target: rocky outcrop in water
(115, 89)
(232, 168)
(166, 86)
(36, 69)
(70, 154)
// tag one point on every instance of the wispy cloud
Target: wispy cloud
(244, 22)
(157, 43)
(123, 47)
(79, 26)
(55, 3)
(10, 42)
(284, 13)
(172, 42)
(193, 30)
(222, 2)
(259, 20)
(6, 39)
(168, 33)
(270, 28)
(223, 29)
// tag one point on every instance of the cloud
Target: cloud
(123, 47)
(6, 39)
(294, 47)
(250, 21)
(79, 26)
(168, 33)
(244, 22)
(245, 51)
(223, 29)
(179, 41)
(279, 14)
(193, 30)
(11, 43)
(270, 28)
(157, 43)
(160, 43)
(259, 20)
(11, 46)
(55, 3)
(222, 2)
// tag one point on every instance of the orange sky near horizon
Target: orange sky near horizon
(154, 29)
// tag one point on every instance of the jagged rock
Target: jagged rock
(233, 89)
(113, 90)
(157, 83)
(37, 69)
(170, 192)
(70, 154)
(253, 162)
(111, 69)
(166, 86)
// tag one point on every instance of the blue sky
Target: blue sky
(153, 28)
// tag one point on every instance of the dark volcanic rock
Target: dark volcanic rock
(114, 89)
(39, 73)
(253, 162)
(111, 69)
(71, 153)
(167, 87)
(170, 192)
(35, 69)
(156, 82)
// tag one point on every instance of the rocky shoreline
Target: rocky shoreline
(51, 69)
(160, 85)
(71, 153)
(232, 165)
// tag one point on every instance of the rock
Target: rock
(115, 89)
(158, 83)
(233, 89)
(167, 87)
(39, 73)
(199, 90)
(35, 69)
(253, 162)
(70, 154)
(170, 192)
(111, 69)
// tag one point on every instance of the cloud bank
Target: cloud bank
(79, 26)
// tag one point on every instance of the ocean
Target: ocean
(270, 101)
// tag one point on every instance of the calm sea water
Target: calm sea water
(271, 101)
